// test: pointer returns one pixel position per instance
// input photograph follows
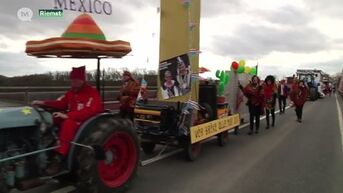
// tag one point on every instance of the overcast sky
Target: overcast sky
(281, 36)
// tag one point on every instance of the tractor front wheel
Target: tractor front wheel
(113, 174)
(3, 187)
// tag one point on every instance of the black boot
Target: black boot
(250, 132)
(55, 165)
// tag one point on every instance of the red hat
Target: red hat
(78, 73)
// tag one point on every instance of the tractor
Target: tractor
(104, 154)
(103, 157)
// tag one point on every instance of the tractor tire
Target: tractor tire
(3, 187)
(114, 174)
(223, 138)
(148, 147)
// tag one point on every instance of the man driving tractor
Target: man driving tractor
(77, 105)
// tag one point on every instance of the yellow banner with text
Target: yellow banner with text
(209, 129)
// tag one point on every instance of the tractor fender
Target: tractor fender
(81, 133)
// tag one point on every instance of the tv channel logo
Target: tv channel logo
(25, 14)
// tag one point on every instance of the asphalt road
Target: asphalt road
(290, 158)
(293, 157)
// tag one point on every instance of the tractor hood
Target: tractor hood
(21, 117)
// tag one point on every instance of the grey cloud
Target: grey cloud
(252, 42)
(287, 15)
(212, 8)
(330, 67)
(327, 7)
(278, 71)
(13, 64)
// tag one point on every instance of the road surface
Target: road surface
(293, 157)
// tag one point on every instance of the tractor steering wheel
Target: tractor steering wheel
(41, 112)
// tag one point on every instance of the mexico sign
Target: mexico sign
(85, 6)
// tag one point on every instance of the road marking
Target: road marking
(163, 156)
(64, 189)
(340, 120)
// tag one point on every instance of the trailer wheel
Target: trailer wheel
(192, 150)
(223, 138)
(114, 174)
(148, 147)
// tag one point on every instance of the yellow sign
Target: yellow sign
(206, 130)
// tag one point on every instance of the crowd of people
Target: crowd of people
(262, 96)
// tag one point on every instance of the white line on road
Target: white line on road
(340, 120)
(64, 189)
(157, 158)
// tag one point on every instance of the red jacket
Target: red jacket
(299, 95)
(254, 95)
(80, 105)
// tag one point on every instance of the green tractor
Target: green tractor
(103, 157)
(104, 154)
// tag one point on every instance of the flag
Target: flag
(203, 70)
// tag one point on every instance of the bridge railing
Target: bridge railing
(25, 95)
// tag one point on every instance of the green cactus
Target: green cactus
(223, 80)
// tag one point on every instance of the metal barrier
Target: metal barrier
(25, 95)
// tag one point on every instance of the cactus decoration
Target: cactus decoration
(224, 78)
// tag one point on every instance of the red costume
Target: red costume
(79, 106)
(255, 102)
(254, 95)
(299, 95)
(269, 92)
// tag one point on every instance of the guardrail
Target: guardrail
(25, 95)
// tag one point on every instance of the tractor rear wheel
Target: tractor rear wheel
(120, 145)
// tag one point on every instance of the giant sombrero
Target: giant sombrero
(82, 39)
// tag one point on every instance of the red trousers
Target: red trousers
(67, 131)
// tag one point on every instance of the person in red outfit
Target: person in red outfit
(76, 106)
(254, 92)
(299, 97)
(270, 92)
